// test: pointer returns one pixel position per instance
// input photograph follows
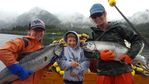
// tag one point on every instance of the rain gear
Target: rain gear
(73, 54)
(10, 53)
(115, 72)
(116, 33)
(124, 78)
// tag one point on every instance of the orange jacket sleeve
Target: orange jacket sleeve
(10, 51)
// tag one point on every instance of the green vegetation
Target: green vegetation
(56, 32)
(52, 32)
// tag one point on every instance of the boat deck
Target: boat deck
(89, 78)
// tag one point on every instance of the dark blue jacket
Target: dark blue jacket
(116, 33)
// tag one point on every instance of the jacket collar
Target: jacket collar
(110, 26)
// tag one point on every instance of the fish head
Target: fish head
(89, 46)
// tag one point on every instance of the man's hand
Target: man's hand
(106, 55)
(126, 59)
(19, 71)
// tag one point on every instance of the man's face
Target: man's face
(37, 33)
(71, 41)
(99, 18)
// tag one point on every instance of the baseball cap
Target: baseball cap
(97, 8)
(37, 23)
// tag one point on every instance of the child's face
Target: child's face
(71, 41)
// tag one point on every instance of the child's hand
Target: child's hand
(74, 64)
(73, 74)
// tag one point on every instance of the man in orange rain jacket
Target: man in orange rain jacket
(11, 53)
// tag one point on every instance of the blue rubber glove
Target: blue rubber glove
(19, 71)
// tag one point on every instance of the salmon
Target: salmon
(101, 45)
(119, 51)
(34, 61)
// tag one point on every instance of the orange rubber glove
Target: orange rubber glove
(106, 55)
(126, 59)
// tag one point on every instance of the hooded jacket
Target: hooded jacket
(73, 54)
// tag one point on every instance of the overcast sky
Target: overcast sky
(128, 7)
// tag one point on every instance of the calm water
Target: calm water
(6, 37)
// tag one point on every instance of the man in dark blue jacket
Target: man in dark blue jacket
(108, 70)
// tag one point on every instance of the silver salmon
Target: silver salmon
(101, 45)
(117, 48)
(139, 60)
(34, 62)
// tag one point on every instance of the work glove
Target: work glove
(19, 71)
(126, 59)
(106, 55)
